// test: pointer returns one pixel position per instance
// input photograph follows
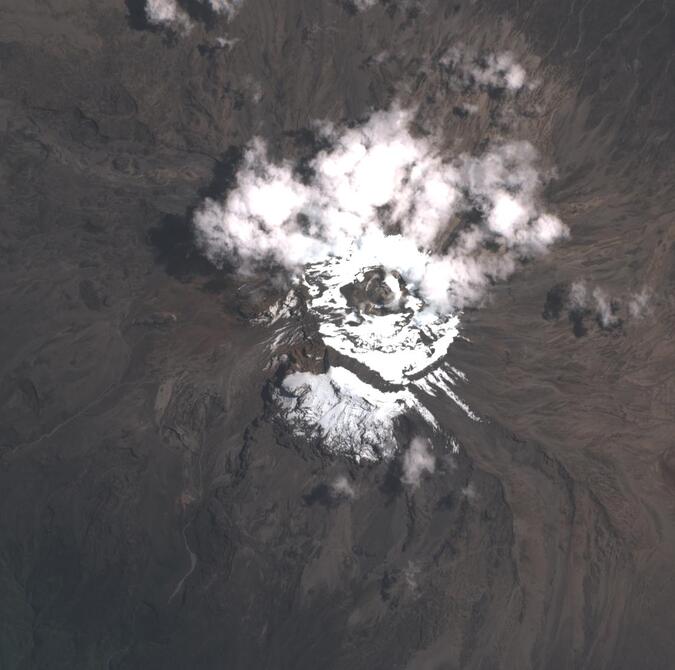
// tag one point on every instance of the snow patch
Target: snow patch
(347, 415)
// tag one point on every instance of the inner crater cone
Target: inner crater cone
(376, 291)
(372, 315)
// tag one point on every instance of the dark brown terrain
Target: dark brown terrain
(153, 514)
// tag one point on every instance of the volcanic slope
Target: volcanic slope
(156, 514)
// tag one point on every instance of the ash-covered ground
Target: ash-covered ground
(337, 334)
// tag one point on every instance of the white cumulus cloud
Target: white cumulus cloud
(166, 12)
(392, 199)
(169, 12)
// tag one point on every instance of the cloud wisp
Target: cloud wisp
(343, 488)
(584, 303)
(362, 5)
(638, 303)
(417, 461)
(489, 71)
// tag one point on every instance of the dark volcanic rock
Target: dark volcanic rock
(667, 461)
(556, 301)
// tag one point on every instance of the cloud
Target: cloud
(416, 461)
(470, 493)
(338, 491)
(226, 7)
(605, 309)
(583, 301)
(498, 71)
(362, 5)
(342, 487)
(227, 42)
(449, 227)
(166, 13)
(578, 296)
(411, 574)
(406, 5)
(170, 14)
(638, 304)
